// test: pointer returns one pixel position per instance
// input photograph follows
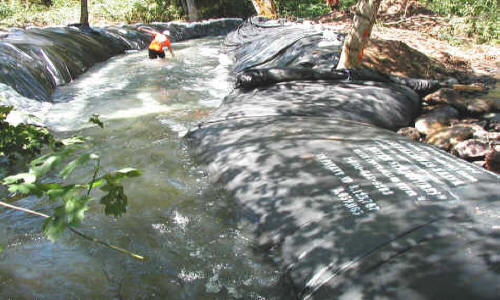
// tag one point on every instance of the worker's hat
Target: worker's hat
(160, 38)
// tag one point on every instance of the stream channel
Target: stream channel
(187, 228)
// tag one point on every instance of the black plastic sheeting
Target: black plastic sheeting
(351, 210)
(262, 77)
(271, 44)
(385, 105)
(36, 60)
(262, 49)
(356, 211)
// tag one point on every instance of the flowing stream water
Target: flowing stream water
(187, 228)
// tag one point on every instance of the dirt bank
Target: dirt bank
(414, 26)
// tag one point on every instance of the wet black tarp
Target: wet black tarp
(262, 49)
(350, 209)
(272, 44)
(354, 210)
(382, 104)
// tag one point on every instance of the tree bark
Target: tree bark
(333, 4)
(192, 10)
(84, 13)
(364, 18)
(406, 4)
(265, 8)
(184, 6)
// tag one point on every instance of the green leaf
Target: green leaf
(118, 175)
(73, 141)
(70, 167)
(60, 193)
(46, 187)
(25, 189)
(74, 210)
(96, 183)
(48, 162)
(25, 177)
(95, 119)
(115, 201)
(5, 110)
(22, 140)
(127, 172)
(54, 226)
(47, 165)
(71, 213)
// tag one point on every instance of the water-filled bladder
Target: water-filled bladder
(350, 209)
(262, 45)
(382, 104)
(356, 211)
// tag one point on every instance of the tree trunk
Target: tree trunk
(333, 4)
(84, 13)
(265, 8)
(192, 10)
(364, 18)
(406, 4)
(184, 6)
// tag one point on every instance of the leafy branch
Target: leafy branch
(92, 239)
(72, 199)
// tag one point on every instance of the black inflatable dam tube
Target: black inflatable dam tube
(350, 209)
(357, 212)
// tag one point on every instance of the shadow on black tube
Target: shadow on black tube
(355, 211)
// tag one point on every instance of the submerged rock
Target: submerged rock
(493, 136)
(466, 105)
(478, 131)
(495, 127)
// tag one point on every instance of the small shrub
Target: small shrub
(5, 10)
(308, 8)
(153, 11)
(477, 19)
(302, 8)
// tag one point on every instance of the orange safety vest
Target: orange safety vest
(159, 41)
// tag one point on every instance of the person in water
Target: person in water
(159, 41)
